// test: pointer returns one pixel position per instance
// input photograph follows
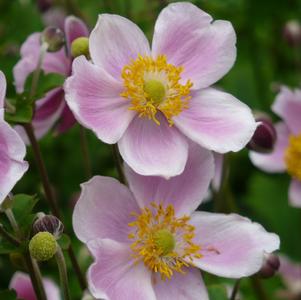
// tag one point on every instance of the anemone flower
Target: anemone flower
(12, 150)
(148, 241)
(52, 108)
(286, 156)
(152, 101)
(21, 283)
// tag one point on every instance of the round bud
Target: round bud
(43, 246)
(48, 223)
(264, 137)
(292, 33)
(270, 266)
(80, 46)
(54, 37)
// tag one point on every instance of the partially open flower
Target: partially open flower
(54, 37)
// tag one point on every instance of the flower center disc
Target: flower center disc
(293, 157)
(153, 85)
(162, 241)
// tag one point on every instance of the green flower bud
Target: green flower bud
(54, 37)
(80, 46)
(43, 246)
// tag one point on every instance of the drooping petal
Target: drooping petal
(185, 191)
(114, 41)
(74, 28)
(155, 150)
(181, 286)
(295, 193)
(94, 98)
(217, 121)
(12, 165)
(232, 246)
(2, 91)
(287, 105)
(115, 276)
(185, 34)
(21, 283)
(273, 162)
(103, 210)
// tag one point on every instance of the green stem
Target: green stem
(60, 259)
(235, 289)
(85, 152)
(10, 238)
(118, 163)
(13, 222)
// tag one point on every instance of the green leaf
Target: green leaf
(23, 205)
(8, 295)
(64, 241)
(217, 292)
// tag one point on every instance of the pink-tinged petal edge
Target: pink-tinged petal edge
(115, 276)
(295, 193)
(154, 150)
(287, 105)
(2, 92)
(273, 162)
(185, 191)
(114, 41)
(94, 98)
(189, 38)
(232, 246)
(217, 121)
(103, 210)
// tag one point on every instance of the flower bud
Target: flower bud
(264, 137)
(43, 246)
(54, 37)
(292, 33)
(48, 223)
(270, 266)
(80, 46)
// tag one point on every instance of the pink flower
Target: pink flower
(286, 156)
(12, 150)
(21, 283)
(151, 100)
(52, 108)
(145, 238)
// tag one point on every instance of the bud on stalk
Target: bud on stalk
(54, 37)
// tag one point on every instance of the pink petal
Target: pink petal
(94, 98)
(188, 286)
(273, 162)
(66, 121)
(74, 28)
(12, 165)
(115, 276)
(185, 191)
(232, 246)
(185, 34)
(2, 91)
(295, 193)
(104, 210)
(21, 283)
(151, 149)
(287, 105)
(291, 271)
(114, 41)
(217, 121)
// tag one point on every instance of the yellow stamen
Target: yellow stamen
(293, 156)
(162, 241)
(153, 85)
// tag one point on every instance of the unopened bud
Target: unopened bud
(48, 223)
(80, 46)
(43, 246)
(292, 33)
(270, 266)
(54, 37)
(264, 137)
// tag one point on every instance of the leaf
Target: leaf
(8, 295)
(64, 241)
(217, 292)
(23, 205)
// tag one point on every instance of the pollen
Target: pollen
(154, 85)
(293, 157)
(162, 241)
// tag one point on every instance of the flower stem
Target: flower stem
(10, 238)
(13, 222)
(60, 259)
(118, 163)
(235, 289)
(85, 152)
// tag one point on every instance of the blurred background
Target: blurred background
(268, 56)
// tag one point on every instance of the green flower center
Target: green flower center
(155, 90)
(165, 241)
